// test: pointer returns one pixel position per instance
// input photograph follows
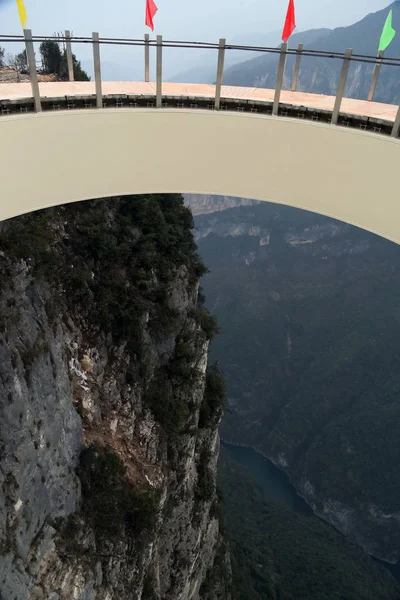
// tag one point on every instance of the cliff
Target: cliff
(308, 310)
(108, 427)
(201, 204)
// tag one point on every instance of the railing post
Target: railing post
(375, 75)
(279, 78)
(396, 125)
(30, 54)
(341, 86)
(159, 73)
(69, 55)
(220, 73)
(146, 57)
(97, 69)
(297, 67)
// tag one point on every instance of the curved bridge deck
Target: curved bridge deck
(15, 98)
(165, 137)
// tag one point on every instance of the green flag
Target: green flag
(388, 33)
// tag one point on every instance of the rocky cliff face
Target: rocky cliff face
(201, 204)
(107, 463)
(309, 319)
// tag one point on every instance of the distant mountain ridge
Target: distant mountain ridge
(321, 75)
(201, 204)
(205, 68)
(206, 71)
(308, 310)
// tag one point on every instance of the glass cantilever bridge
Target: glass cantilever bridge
(329, 154)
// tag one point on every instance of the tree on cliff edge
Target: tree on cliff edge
(54, 62)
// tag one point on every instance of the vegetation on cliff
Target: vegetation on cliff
(118, 267)
(113, 287)
(116, 263)
(54, 61)
(111, 503)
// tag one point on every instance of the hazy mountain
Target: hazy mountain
(248, 73)
(206, 62)
(201, 204)
(320, 75)
(309, 315)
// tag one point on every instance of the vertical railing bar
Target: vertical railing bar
(69, 55)
(146, 58)
(220, 73)
(279, 78)
(30, 54)
(396, 125)
(341, 86)
(159, 73)
(97, 69)
(297, 67)
(375, 75)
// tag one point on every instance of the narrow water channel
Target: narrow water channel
(276, 486)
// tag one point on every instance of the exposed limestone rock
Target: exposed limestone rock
(66, 384)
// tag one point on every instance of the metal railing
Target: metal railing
(347, 58)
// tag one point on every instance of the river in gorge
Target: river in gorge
(276, 486)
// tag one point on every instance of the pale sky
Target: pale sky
(201, 20)
(182, 19)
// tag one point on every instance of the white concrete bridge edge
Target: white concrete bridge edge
(54, 158)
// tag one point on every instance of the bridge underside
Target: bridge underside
(57, 157)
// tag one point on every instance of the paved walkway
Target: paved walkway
(387, 112)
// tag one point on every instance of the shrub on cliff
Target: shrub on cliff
(112, 260)
(111, 504)
(214, 397)
(205, 486)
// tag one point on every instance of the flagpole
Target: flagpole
(220, 73)
(341, 86)
(69, 55)
(297, 67)
(30, 55)
(159, 73)
(279, 78)
(146, 58)
(375, 75)
(97, 69)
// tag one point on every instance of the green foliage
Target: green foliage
(169, 407)
(168, 395)
(79, 73)
(216, 510)
(205, 485)
(111, 504)
(54, 62)
(207, 322)
(21, 61)
(217, 582)
(32, 239)
(51, 57)
(114, 263)
(69, 531)
(214, 397)
(280, 555)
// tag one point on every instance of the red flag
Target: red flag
(290, 23)
(151, 10)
